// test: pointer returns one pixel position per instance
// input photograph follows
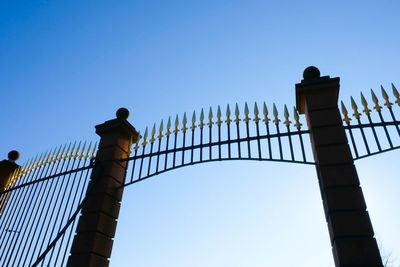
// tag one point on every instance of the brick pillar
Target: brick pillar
(7, 169)
(97, 224)
(350, 228)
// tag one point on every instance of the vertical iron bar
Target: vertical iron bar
(183, 147)
(385, 129)
(303, 152)
(269, 140)
(363, 135)
(373, 131)
(394, 120)
(238, 139)
(133, 164)
(258, 140)
(192, 152)
(158, 154)
(248, 140)
(290, 142)
(174, 155)
(210, 141)
(150, 156)
(279, 141)
(353, 143)
(141, 163)
(166, 153)
(201, 144)
(219, 141)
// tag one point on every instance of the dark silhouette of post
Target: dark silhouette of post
(350, 228)
(97, 224)
(7, 169)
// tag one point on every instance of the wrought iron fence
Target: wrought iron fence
(40, 205)
(217, 138)
(41, 202)
(376, 132)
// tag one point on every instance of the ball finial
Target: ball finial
(13, 155)
(311, 73)
(122, 113)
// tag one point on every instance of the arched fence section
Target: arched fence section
(40, 205)
(239, 136)
(372, 127)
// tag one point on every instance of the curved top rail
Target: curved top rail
(217, 137)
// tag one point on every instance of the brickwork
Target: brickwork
(350, 228)
(96, 228)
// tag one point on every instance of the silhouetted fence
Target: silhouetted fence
(41, 201)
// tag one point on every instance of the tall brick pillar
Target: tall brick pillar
(93, 241)
(7, 169)
(350, 228)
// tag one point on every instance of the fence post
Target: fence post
(96, 228)
(350, 228)
(7, 169)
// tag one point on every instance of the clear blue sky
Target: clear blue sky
(68, 65)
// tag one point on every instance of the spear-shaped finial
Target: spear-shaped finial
(146, 132)
(237, 113)
(265, 113)
(219, 115)
(356, 114)
(376, 101)
(396, 94)
(201, 125)
(137, 144)
(210, 118)
(246, 113)
(169, 127)
(256, 113)
(160, 130)
(364, 102)
(88, 151)
(176, 130)
(153, 134)
(345, 114)
(184, 123)
(82, 154)
(286, 115)
(296, 119)
(228, 115)
(385, 96)
(275, 113)
(193, 121)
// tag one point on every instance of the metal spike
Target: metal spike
(286, 115)
(228, 115)
(275, 113)
(210, 118)
(376, 101)
(345, 114)
(237, 113)
(296, 119)
(364, 102)
(76, 155)
(356, 114)
(71, 154)
(137, 144)
(176, 130)
(396, 94)
(184, 123)
(82, 154)
(193, 121)
(246, 113)
(385, 96)
(256, 112)
(219, 115)
(94, 150)
(88, 151)
(146, 132)
(169, 126)
(153, 134)
(265, 112)
(201, 125)
(160, 130)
